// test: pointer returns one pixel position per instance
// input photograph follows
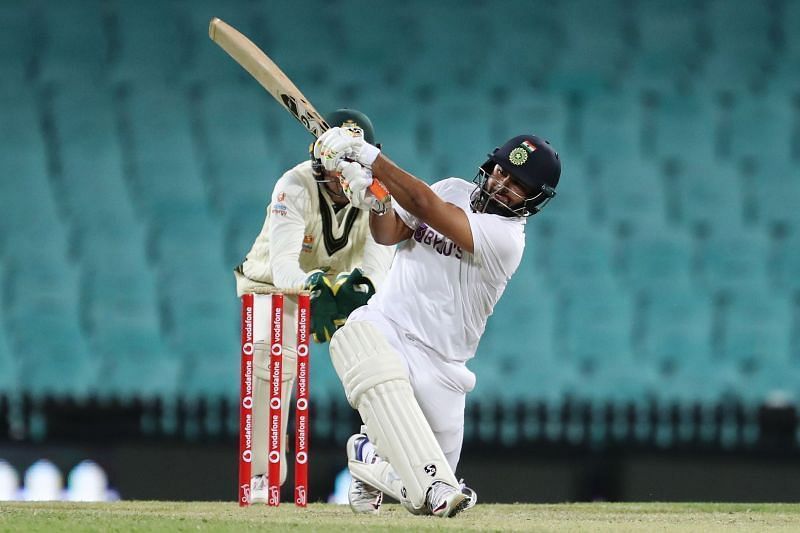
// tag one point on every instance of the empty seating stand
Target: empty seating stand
(662, 278)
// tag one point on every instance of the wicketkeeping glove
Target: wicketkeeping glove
(324, 309)
(352, 290)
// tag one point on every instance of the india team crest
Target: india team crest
(518, 156)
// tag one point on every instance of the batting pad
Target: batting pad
(376, 384)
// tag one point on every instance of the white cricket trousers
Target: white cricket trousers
(440, 386)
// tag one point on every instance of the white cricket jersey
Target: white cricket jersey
(302, 232)
(441, 294)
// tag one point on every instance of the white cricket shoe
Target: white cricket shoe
(445, 501)
(364, 498)
(258, 489)
(470, 493)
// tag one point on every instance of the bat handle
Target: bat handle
(379, 190)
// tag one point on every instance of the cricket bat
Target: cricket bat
(278, 84)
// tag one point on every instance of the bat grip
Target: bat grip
(379, 190)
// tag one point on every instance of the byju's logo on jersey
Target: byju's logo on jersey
(438, 242)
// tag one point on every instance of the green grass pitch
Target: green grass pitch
(221, 516)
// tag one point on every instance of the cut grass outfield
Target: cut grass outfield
(222, 516)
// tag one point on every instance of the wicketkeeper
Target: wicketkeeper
(313, 239)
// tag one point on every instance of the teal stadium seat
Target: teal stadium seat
(612, 127)
(457, 57)
(366, 41)
(116, 281)
(756, 331)
(511, 368)
(42, 307)
(75, 45)
(203, 61)
(148, 41)
(241, 229)
(669, 42)
(686, 125)
(773, 192)
(458, 127)
(592, 59)
(762, 128)
(188, 234)
(784, 264)
(324, 382)
(578, 258)
(788, 67)
(723, 267)
(527, 306)
(91, 181)
(242, 140)
(42, 280)
(135, 363)
(8, 364)
(210, 377)
(8, 369)
(757, 336)
(704, 196)
(55, 360)
(734, 61)
(632, 196)
(30, 217)
(543, 30)
(674, 328)
(311, 72)
(689, 396)
(597, 328)
(656, 263)
(201, 310)
(17, 39)
(165, 162)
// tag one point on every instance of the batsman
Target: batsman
(314, 239)
(402, 357)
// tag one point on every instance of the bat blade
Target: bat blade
(278, 84)
(268, 74)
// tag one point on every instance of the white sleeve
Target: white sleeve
(286, 230)
(376, 261)
(408, 219)
(498, 244)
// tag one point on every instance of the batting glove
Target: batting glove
(355, 181)
(336, 144)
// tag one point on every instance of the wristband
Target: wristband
(368, 154)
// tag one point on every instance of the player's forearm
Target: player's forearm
(411, 193)
(388, 229)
